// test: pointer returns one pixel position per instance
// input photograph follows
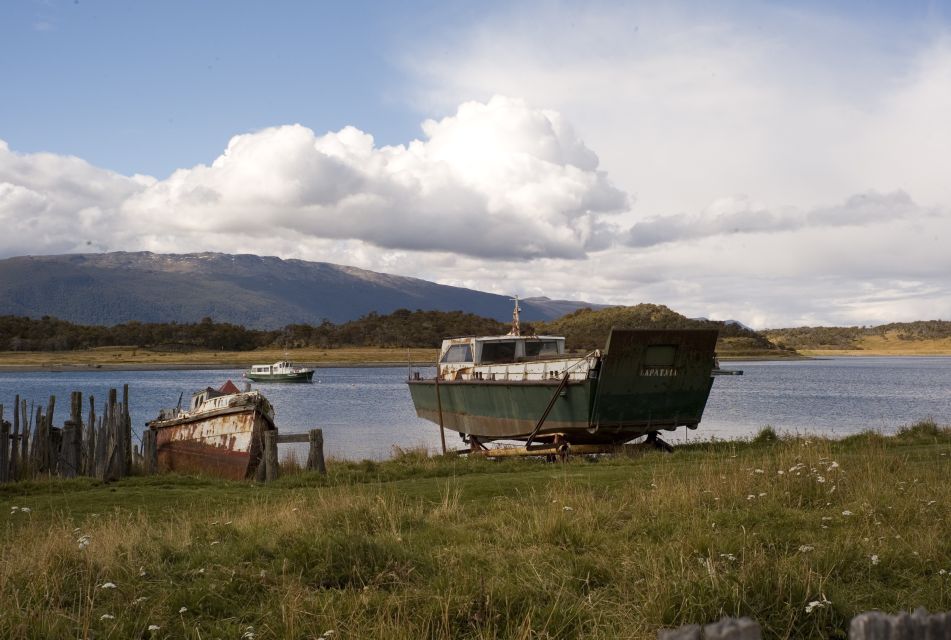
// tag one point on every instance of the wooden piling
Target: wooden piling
(40, 440)
(51, 441)
(149, 452)
(15, 442)
(126, 429)
(4, 447)
(89, 446)
(315, 457)
(271, 471)
(25, 437)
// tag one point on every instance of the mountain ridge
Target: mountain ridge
(256, 291)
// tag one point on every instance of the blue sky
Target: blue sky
(777, 163)
(152, 86)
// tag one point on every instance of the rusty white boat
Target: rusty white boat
(220, 434)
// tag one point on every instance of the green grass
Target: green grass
(420, 547)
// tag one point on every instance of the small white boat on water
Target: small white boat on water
(283, 371)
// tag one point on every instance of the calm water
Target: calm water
(365, 412)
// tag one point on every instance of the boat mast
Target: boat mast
(516, 327)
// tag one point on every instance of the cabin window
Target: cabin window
(541, 348)
(660, 355)
(458, 353)
(498, 351)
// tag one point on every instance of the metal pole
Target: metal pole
(442, 431)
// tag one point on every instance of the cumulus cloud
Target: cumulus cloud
(497, 179)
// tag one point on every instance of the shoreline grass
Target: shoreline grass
(434, 547)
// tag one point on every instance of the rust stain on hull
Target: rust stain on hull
(227, 445)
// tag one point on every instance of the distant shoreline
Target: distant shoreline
(367, 364)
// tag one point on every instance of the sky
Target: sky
(776, 163)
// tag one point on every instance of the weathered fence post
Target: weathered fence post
(126, 429)
(25, 437)
(89, 445)
(4, 447)
(875, 625)
(725, 629)
(149, 452)
(71, 448)
(271, 471)
(15, 441)
(315, 457)
(51, 446)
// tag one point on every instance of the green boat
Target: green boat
(527, 388)
(279, 372)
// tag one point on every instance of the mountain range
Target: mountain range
(255, 291)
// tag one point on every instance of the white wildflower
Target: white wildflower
(25, 509)
(846, 513)
(750, 497)
(817, 604)
(834, 465)
(874, 559)
(820, 479)
(728, 556)
(183, 610)
(139, 600)
(780, 472)
(942, 572)
(248, 634)
(567, 508)
(762, 494)
(805, 548)
(83, 541)
(154, 627)
(758, 471)
(107, 616)
(108, 585)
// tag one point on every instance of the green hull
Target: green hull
(630, 396)
(305, 376)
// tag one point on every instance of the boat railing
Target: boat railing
(577, 369)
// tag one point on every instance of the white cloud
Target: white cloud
(687, 104)
(497, 179)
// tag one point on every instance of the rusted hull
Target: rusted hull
(226, 444)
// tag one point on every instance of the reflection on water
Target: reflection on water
(365, 412)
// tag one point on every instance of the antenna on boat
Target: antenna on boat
(516, 327)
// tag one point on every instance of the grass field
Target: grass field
(888, 345)
(800, 534)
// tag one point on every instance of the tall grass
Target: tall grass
(453, 548)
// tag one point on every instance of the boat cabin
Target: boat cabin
(267, 369)
(500, 349)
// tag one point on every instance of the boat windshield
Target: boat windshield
(458, 353)
(541, 348)
(502, 351)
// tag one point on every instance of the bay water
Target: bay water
(365, 412)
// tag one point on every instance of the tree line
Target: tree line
(402, 328)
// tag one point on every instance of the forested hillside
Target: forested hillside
(588, 329)
(584, 329)
(851, 338)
